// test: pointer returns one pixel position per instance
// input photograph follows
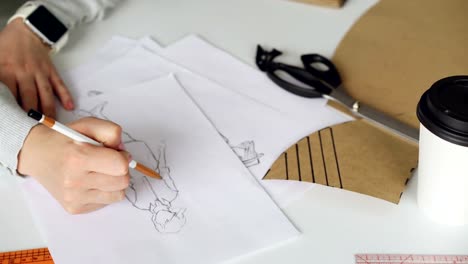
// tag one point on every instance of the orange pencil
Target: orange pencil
(66, 131)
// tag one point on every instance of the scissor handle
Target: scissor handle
(308, 83)
(322, 68)
(313, 87)
(293, 88)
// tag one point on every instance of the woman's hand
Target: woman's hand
(80, 176)
(27, 70)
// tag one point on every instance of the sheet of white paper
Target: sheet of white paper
(205, 59)
(208, 208)
(286, 192)
(112, 49)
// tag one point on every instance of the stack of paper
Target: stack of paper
(247, 109)
(211, 126)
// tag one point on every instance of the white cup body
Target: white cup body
(442, 179)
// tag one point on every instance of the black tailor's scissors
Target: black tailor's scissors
(320, 78)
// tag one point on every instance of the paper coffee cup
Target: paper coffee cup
(443, 151)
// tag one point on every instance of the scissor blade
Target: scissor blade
(389, 123)
(378, 118)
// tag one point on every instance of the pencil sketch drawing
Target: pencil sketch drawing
(92, 93)
(245, 151)
(157, 197)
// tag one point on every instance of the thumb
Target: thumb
(103, 131)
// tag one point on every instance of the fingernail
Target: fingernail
(70, 105)
(121, 146)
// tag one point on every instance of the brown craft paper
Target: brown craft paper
(355, 156)
(395, 52)
(399, 48)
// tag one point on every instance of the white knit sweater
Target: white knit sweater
(14, 123)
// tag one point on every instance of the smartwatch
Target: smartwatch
(44, 24)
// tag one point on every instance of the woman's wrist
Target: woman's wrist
(19, 27)
(32, 148)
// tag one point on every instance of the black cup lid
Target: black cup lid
(443, 109)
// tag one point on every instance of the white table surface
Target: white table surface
(336, 224)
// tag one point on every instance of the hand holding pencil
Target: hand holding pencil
(75, 135)
(81, 177)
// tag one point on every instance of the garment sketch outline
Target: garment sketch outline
(154, 196)
(245, 151)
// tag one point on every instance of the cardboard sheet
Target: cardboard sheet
(355, 156)
(395, 52)
(399, 48)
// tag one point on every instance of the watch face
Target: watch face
(46, 23)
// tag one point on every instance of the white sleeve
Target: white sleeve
(74, 12)
(14, 122)
(14, 128)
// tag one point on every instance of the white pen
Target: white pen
(66, 131)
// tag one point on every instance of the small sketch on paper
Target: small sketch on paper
(93, 93)
(154, 196)
(246, 152)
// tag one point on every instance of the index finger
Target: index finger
(61, 90)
